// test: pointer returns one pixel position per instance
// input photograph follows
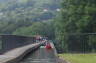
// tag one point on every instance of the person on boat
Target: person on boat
(48, 45)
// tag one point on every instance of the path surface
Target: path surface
(17, 53)
(42, 55)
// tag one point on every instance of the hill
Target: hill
(15, 14)
(35, 10)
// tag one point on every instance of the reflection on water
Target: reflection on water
(42, 55)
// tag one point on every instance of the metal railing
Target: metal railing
(0, 44)
(8, 42)
(83, 42)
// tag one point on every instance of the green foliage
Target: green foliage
(78, 16)
(19, 14)
(37, 28)
(30, 9)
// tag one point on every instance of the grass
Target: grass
(79, 58)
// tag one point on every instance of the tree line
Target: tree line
(75, 27)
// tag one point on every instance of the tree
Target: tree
(37, 28)
(78, 16)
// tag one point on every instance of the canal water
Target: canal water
(42, 55)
